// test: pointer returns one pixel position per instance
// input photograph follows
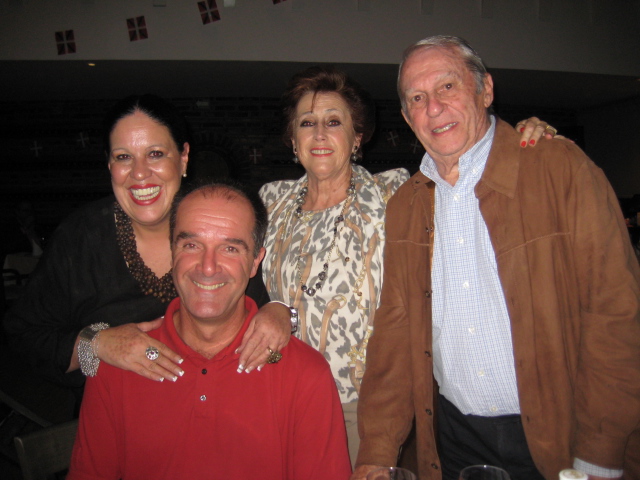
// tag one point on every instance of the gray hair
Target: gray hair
(470, 57)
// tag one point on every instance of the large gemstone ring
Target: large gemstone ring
(274, 357)
(152, 353)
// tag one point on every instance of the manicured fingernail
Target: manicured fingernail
(260, 368)
(523, 144)
(532, 142)
(236, 351)
(521, 129)
(162, 379)
(240, 368)
(180, 361)
(181, 372)
(248, 370)
(174, 378)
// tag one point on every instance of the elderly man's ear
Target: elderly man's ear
(488, 90)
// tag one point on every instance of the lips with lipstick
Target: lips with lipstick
(445, 128)
(146, 194)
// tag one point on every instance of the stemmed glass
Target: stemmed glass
(483, 472)
(391, 473)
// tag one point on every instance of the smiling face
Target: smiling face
(145, 167)
(323, 135)
(442, 106)
(212, 249)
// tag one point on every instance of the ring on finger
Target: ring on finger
(274, 357)
(152, 353)
(551, 130)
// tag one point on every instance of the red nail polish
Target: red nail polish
(523, 144)
(521, 129)
(532, 142)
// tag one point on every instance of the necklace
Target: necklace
(161, 288)
(322, 276)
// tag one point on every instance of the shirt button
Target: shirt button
(427, 353)
(465, 285)
(434, 466)
(429, 412)
(460, 241)
(494, 409)
(203, 398)
(472, 330)
(456, 197)
(427, 294)
(204, 371)
(481, 373)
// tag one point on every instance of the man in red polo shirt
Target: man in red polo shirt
(283, 423)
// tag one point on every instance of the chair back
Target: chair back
(46, 452)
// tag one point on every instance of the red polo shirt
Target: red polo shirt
(284, 422)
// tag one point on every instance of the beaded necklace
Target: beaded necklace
(322, 276)
(161, 288)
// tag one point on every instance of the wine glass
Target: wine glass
(483, 472)
(391, 473)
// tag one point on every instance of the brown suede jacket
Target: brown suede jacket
(570, 279)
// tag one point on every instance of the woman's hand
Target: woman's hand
(269, 329)
(533, 129)
(125, 347)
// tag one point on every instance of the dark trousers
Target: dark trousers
(466, 440)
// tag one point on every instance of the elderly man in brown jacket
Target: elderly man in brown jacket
(567, 392)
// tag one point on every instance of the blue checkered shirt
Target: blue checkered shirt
(472, 349)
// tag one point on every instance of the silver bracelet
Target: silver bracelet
(294, 315)
(87, 348)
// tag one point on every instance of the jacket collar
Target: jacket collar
(503, 164)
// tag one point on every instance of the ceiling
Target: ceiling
(75, 80)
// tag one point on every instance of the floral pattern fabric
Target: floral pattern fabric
(338, 319)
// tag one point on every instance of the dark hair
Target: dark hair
(325, 80)
(470, 57)
(230, 191)
(155, 108)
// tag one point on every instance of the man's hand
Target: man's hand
(269, 329)
(361, 471)
(125, 347)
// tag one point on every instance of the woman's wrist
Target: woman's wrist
(88, 348)
(294, 315)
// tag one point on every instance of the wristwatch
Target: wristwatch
(294, 315)
(87, 354)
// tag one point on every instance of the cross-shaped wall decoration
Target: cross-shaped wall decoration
(392, 137)
(416, 145)
(208, 11)
(137, 28)
(65, 41)
(83, 140)
(255, 155)
(36, 149)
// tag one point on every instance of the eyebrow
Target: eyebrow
(234, 241)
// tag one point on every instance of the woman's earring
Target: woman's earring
(184, 175)
(354, 155)
(295, 155)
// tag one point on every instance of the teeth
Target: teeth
(208, 287)
(444, 129)
(145, 193)
(321, 151)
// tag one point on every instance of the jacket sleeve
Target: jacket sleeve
(385, 409)
(41, 323)
(607, 390)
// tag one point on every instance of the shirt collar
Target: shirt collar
(470, 164)
(184, 350)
